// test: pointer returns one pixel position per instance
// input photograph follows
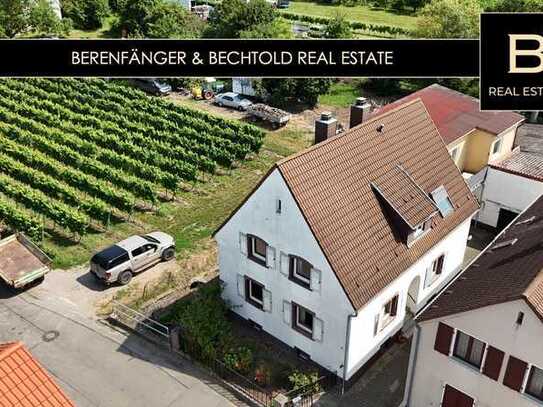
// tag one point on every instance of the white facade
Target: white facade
(508, 191)
(496, 326)
(55, 5)
(243, 86)
(288, 233)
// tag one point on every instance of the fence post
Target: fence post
(175, 344)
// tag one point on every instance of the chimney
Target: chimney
(359, 111)
(325, 127)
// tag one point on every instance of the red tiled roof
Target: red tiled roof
(522, 163)
(511, 268)
(456, 114)
(332, 184)
(24, 383)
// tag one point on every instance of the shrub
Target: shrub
(239, 359)
(203, 318)
(300, 380)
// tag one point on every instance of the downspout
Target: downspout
(346, 358)
(411, 369)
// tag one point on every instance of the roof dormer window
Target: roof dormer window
(442, 201)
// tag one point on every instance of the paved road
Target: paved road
(98, 366)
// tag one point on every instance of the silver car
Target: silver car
(119, 263)
(231, 99)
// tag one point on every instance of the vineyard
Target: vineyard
(79, 155)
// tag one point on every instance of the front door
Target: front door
(505, 218)
(144, 255)
(455, 398)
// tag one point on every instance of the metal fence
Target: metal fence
(181, 344)
(139, 322)
(307, 395)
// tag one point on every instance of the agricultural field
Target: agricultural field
(83, 162)
(360, 14)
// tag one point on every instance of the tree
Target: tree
(275, 29)
(338, 27)
(234, 18)
(283, 92)
(449, 19)
(518, 6)
(14, 16)
(43, 20)
(157, 19)
(86, 14)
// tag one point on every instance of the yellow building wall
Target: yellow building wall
(474, 149)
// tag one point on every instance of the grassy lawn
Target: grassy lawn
(102, 32)
(363, 14)
(342, 94)
(195, 215)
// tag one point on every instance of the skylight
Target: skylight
(442, 201)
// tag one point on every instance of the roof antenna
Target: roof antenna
(381, 128)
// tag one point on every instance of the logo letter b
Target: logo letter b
(514, 53)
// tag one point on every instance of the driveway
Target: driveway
(96, 365)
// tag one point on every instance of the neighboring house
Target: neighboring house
(24, 382)
(480, 342)
(509, 187)
(339, 243)
(474, 138)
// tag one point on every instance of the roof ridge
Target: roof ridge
(335, 138)
(10, 347)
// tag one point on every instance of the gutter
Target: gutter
(346, 357)
(412, 367)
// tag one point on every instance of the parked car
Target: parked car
(231, 99)
(283, 3)
(119, 263)
(152, 86)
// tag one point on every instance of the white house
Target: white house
(55, 5)
(510, 185)
(338, 243)
(481, 342)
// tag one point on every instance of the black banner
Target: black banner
(246, 58)
(512, 61)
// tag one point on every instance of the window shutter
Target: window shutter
(284, 263)
(267, 300)
(394, 306)
(243, 243)
(241, 286)
(315, 280)
(455, 398)
(287, 312)
(318, 329)
(270, 257)
(376, 324)
(514, 375)
(493, 363)
(440, 262)
(444, 338)
(428, 277)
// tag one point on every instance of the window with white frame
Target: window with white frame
(496, 147)
(254, 293)
(534, 385)
(387, 314)
(257, 249)
(302, 320)
(434, 271)
(469, 349)
(300, 271)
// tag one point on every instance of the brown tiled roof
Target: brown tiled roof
(24, 383)
(405, 196)
(500, 274)
(456, 114)
(331, 183)
(522, 163)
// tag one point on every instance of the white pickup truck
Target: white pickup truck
(119, 263)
